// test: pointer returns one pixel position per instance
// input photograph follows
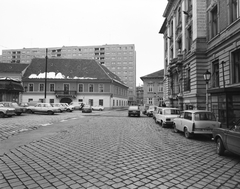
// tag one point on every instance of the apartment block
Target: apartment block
(120, 59)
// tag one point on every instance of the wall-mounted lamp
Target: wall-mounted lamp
(186, 13)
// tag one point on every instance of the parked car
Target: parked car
(145, 108)
(87, 109)
(134, 111)
(155, 112)
(227, 139)
(6, 111)
(69, 108)
(59, 106)
(98, 107)
(165, 116)
(18, 109)
(77, 105)
(43, 108)
(193, 122)
(150, 111)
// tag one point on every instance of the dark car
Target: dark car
(133, 111)
(227, 139)
(87, 109)
(18, 109)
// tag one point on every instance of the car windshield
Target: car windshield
(133, 108)
(172, 112)
(204, 116)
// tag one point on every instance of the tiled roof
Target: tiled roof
(12, 68)
(159, 73)
(69, 69)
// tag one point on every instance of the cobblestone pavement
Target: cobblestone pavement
(112, 151)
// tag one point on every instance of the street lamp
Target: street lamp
(45, 91)
(207, 77)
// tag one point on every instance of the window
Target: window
(160, 88)
(189, 38)
(30, 87)
(234, 10)
(90, 88)
(236, 66)
(213, 21)
(80, 87)
(179, 15)
(215, 75)
(90, 101)
(51, 101)
(100, 88)
(41, 87)
(101, 102)
(187, 80)
(150, 87)
(149, 100)
(52, 87)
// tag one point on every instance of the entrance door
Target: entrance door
(66, 88)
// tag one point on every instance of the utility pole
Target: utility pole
(45, 91)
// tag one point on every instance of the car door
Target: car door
(233, 139)
(158, 115)
(187, 121)
(178, 121)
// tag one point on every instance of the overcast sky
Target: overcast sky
(57, 23)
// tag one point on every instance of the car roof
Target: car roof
(167, 108)
(194, 111)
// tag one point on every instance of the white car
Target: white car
(98, 107)
(165, 116)
(196, 122)
(69, 108)
(43, 108)
(59, 106)
(150, 111)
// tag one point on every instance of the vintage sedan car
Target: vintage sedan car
(98, 107)
(69, 108)
(18, 109)
(227, 139)
(193, 122)
(150, 111)
(77, 105)
(6, 111)
(165, 116)
(155, 112)
(87, 109)
(43, 108)
(59, 106)
(134, 111)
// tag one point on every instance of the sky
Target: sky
(57, 23)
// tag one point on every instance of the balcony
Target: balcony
(71, 94)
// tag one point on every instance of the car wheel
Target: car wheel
(187, 134)
(156, 121)
(175, 128)
(219, 147)
(18, 113)
(50, 113)
(29, 111)
(1, 114)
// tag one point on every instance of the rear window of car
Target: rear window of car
(133, 108)
(204, 116)
(172, 112)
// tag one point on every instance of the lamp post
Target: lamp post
(45, 91)
(207, 77)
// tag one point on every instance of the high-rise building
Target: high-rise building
(120, 59)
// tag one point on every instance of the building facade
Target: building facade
(153, 88)
(120, 59)
(73, 80)
(202, 35)
(140, 92)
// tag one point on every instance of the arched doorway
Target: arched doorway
(66, 100)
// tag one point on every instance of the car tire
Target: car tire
(187, 134)
(50, 113)
(2, 115)
(219, 147)
(175, 128)
(29, 111)
(156, 121)
(18, 113)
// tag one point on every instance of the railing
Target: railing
(65, 93)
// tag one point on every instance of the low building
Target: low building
(153, 88)
(10, 81)
(73, 80)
